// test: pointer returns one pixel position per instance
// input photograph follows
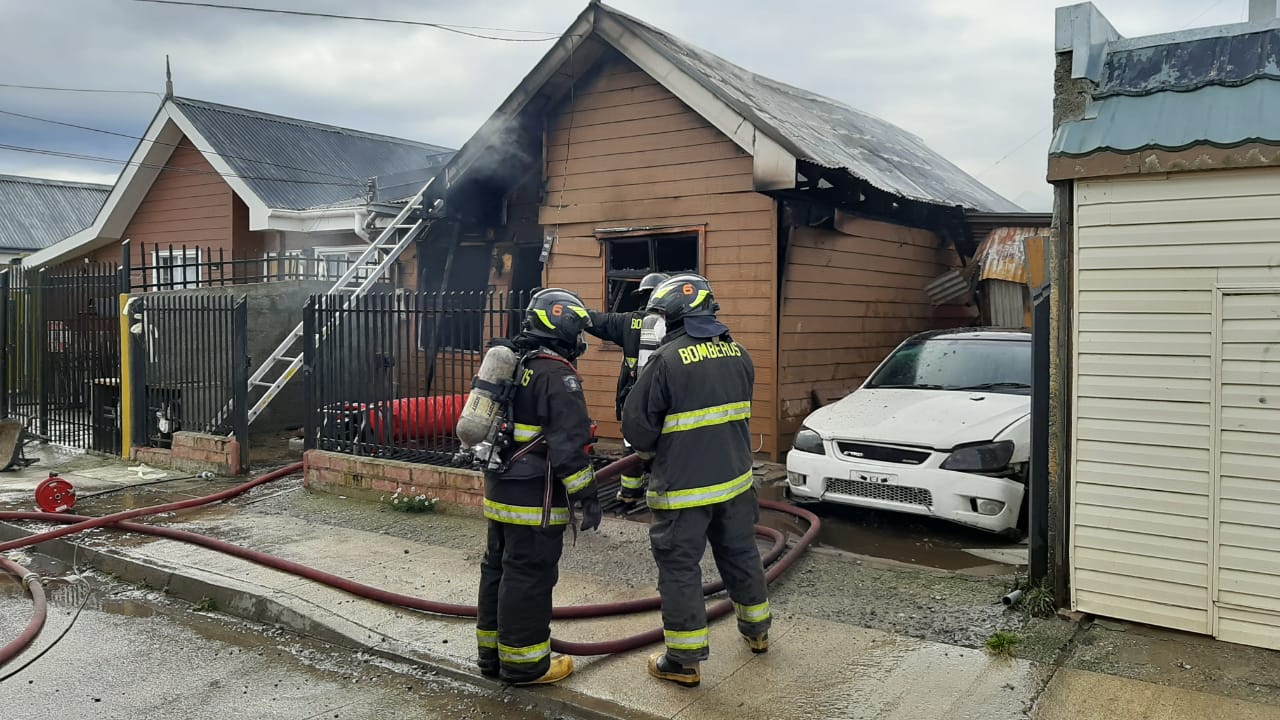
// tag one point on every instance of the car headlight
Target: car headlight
(982, 457)
(809, 441)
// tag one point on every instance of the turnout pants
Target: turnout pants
(633, 482)
(679, 538)
(517, 575)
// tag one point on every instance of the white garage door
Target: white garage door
(1248, 575)
(1175, 455)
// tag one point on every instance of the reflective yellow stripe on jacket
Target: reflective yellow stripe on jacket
(717, 415)
(695, 497)
(525, 433)
(521, 515)
(579, 480)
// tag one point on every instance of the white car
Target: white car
(941, 428)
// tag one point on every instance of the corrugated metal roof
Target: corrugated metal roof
(324, 165)
(1003, 256)
(1213, 115)
(824, 131)
(36, 213)
(1218, 89)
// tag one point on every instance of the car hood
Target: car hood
(939, 419)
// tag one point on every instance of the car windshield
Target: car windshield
(958, 364)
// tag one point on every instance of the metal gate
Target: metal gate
(61, 372)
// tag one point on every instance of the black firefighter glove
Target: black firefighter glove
(590, 504)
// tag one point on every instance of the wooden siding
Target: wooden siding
(849, 298)
(628, 153)
(187, 204)
(1174, 454)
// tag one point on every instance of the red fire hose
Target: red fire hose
(117, 521)
(32, 582)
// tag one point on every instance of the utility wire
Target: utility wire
(95, 158)
(79, 90)
(222, 155)
(174, 145)
(459, 29)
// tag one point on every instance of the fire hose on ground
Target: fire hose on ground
(79, 523)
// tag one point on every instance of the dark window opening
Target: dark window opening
(630, 259)
(455, 319)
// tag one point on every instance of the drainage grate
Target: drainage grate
(880, 491)
(881, 453)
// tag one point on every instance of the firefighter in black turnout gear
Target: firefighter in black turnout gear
(690, 411)
(623, 330)
(528, 504)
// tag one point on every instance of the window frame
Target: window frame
(347, 253)
(289, 263)
(169, 254)
(606, 236)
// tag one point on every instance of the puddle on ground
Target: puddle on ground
(901, 538)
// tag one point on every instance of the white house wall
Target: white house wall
(1158, 261)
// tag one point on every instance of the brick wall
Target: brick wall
(376, 480)
(195, 452)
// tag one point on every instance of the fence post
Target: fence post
(138, 353)
(42, 338)
(126, 267)
(4, 344)
(309, 424)
(240, 378)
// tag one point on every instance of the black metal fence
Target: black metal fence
(62, 353)
(391, 371)
(189, 367)
(185, 267)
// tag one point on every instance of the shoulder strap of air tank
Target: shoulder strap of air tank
(557, 358)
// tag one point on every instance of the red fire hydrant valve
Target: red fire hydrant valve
(55, 495)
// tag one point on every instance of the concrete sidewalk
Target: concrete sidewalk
(817, 667)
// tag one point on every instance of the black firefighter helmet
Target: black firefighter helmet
(651, 281)
(686, 300)
(557, 315)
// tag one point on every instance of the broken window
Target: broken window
(631, 258)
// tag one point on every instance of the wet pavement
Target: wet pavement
(137, 655)
(886, 619)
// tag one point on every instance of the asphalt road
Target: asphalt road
(135, 654)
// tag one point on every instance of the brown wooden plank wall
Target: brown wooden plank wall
(636, 156)
(849, 299)
(188, 203)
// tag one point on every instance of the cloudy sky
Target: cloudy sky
(972, 77)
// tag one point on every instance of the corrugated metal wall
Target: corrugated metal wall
(1006, 303)
(1176, 464)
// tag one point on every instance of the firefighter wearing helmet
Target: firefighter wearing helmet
(624, 330)
(689, 412)
(527, 504)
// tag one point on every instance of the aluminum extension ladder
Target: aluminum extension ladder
(285, 361)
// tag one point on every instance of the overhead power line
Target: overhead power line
(467, 30)
(167, 144)
(193, 171)
(78, 90)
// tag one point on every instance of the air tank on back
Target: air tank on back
(476, 422)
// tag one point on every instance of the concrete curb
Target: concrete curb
(247, 602)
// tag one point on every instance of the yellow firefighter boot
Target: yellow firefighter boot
(664, 669)
(561, 668)
(758, 643)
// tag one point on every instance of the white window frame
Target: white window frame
(350, 253)
(162, 274)
(290, 259)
